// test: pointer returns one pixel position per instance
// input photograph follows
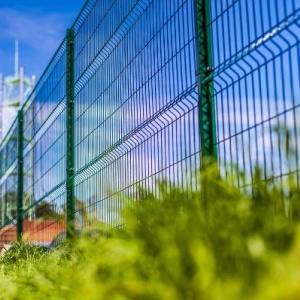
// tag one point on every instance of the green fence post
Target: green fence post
(20, 177)
(206, 106)
(70, 135)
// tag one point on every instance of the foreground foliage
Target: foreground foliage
(213, 243)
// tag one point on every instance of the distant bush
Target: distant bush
(211, 243)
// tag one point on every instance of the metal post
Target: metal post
(1, 158)
(205, 83)
(1, 105)
(20, 177)
(70, 135)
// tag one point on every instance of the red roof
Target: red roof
(7, 234)
(37, 231)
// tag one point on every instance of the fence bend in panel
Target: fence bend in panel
(136, 102)
(45, 153)
(9, 176)
(256, 79)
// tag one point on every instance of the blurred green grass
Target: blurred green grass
(212, 243)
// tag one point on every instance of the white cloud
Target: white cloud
(259, 137)
(40, 32)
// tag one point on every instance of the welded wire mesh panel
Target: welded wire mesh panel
(136, 101)
(44, 153)
(256, 51)
(9, 176)
(137, 106)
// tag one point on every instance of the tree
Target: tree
(47, 211)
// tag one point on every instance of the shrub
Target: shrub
(213, 242)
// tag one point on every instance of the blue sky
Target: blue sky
(39, 26)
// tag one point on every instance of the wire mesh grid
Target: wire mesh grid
(139, 112)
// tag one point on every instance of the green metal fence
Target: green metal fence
(142, 90)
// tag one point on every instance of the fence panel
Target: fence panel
(45, 153)
(136, 101)
(256, 50)
(9, 175)
(156, 85)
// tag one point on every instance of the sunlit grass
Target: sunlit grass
(213, 243)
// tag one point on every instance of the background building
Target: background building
(13, 92)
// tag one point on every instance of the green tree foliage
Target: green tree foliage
(47, 211)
